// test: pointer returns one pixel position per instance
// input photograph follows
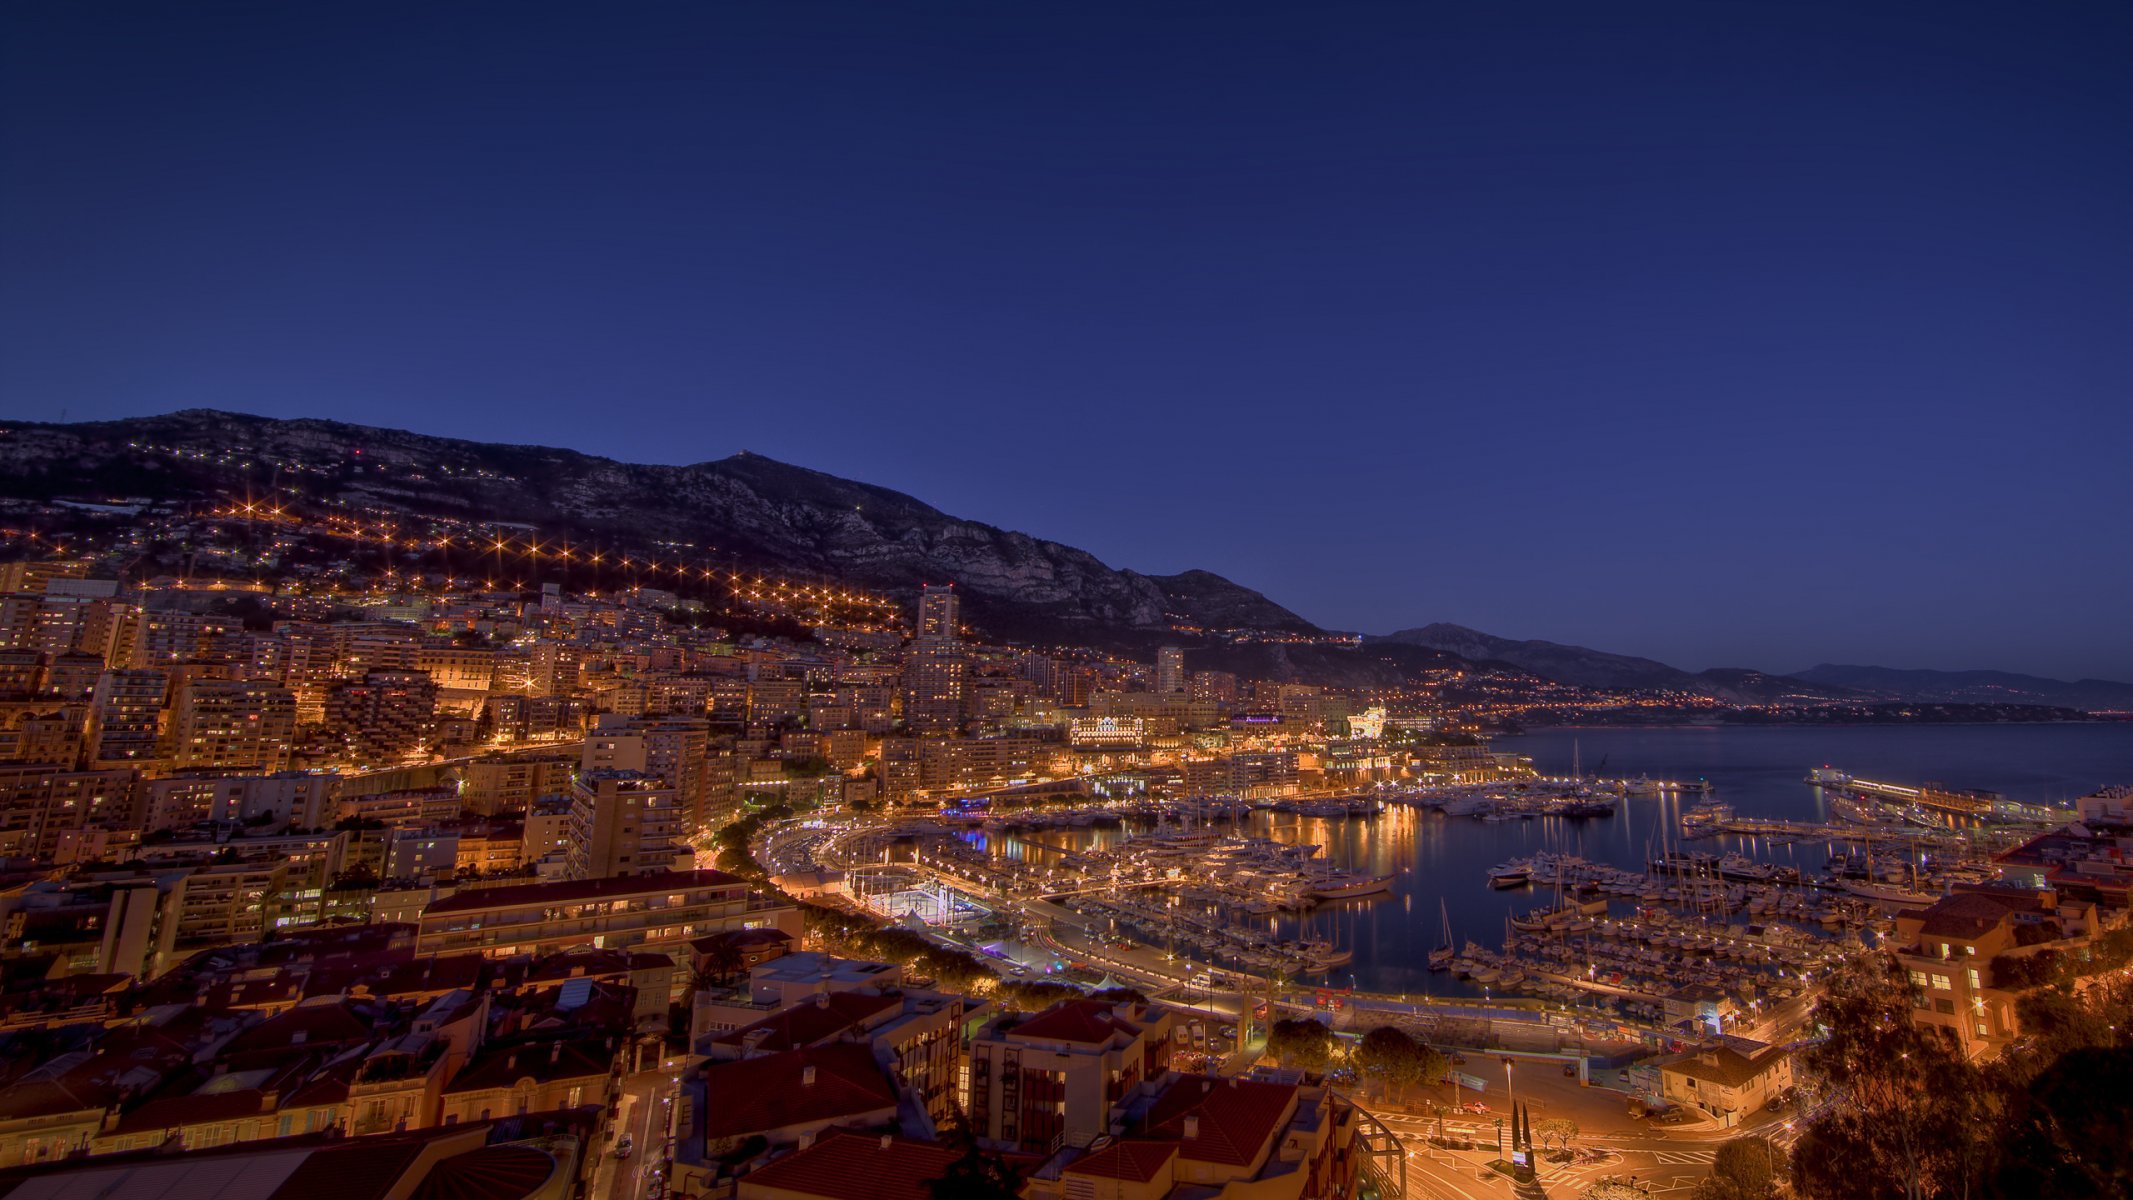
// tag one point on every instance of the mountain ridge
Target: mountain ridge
(754, 510)
(1585, 667)
(746, 507)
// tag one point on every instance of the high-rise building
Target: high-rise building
(1065, 1075)
(935, 678)
(385, 715)
(1217, 686)
(126, 719)
(1170, 670)
(622, 823)
(938, 614)
(234, 723)
(674, 749)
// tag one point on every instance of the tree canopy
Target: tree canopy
(1392, 1061)
(1907, 1117)
(1300, 1042)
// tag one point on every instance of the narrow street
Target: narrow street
(646, 1113)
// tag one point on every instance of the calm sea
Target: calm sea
(1760, 772)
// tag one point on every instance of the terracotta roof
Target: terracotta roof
(1237, 1117)
(400, 974)
(1969, 915)
(813, 1020)
(571, 890)
(172, 1112)
(307, 1167)
(540, 1061)
(362, 1169)
(851, 1166)
(1140, 1162)
(1730, 1063)
(752, 1095)
(490, 1173)
(308, 1025)
(1085, 1021)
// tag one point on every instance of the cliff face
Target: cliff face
(744, 508)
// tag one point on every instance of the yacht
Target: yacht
(1511, 875)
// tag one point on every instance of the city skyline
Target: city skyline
(1742, 338)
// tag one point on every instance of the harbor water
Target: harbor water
(1760, 772)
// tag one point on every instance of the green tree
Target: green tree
(1746, 1168)
(1033, 995)
(722, 962)
(1910, 1117)
(1389, 1060)
(1300, 1043)
(2069, 1131)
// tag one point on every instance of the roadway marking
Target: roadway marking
(1682, 1158)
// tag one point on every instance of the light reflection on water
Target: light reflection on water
(1760, 772)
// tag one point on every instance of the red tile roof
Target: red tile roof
(1238, 1118)
(851, 1166)
(173, 1112)
(490, 1173)
(541, 1061)
(572, 890)
(1730, 1064)
(1085, 1021)
(818, 1019)
(306, 1025)
(753, 1095)
(1140, 1162)
(362, 1169)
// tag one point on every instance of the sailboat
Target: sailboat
(1440, 959)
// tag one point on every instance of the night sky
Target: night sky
(1742, 334)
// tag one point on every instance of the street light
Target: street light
(1510, 1096)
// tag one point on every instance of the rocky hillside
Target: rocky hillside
(745, 509)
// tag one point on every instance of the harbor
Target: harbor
(1686, 884)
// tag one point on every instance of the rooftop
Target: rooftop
(1086, 1021)
(753, 1095)
(573, 890)
(1729, 1062)
(1236, 1118)
(1140, 1162)
(820, 1018)
(850, 1166)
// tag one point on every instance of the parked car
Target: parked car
(625, 1146)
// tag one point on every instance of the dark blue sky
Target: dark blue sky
(1757, 334)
